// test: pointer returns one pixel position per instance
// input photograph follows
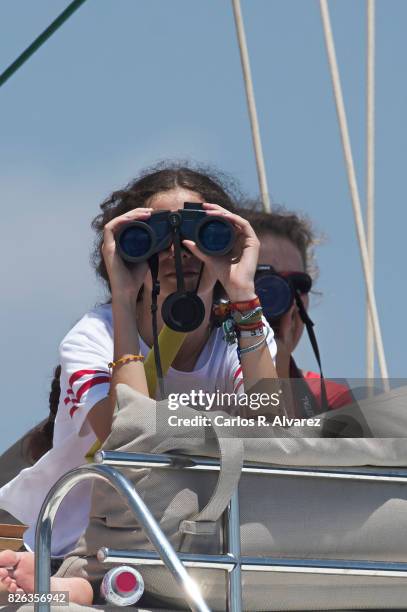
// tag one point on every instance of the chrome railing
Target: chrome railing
(231, 560)
(140, 511)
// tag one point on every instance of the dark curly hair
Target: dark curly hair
(286, 224)
(212, 185)
(40, 440)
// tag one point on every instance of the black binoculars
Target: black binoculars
(139, 240)
(277, 291)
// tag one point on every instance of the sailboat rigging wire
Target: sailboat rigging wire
(370, 171)
(40, 40)
(251, 103)
(360, 230)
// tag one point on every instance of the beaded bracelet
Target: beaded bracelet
(125, 359)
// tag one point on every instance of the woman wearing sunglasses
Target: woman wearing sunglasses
(283, 281)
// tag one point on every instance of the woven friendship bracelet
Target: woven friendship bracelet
(250, 333)
(253, 347)
(224, 308)
(252, 316)
(247, 314)
(247, 326)
(232, 329)
(244, 306)
(125, 359)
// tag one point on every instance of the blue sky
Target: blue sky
(125, 83)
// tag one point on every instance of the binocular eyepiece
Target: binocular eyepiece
(137, 241)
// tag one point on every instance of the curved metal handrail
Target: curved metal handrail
(232, 561)
(142, 513)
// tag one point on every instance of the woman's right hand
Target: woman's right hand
(125, 281)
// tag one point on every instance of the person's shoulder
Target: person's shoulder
(96, 321)
(101, 313)
(338, 394)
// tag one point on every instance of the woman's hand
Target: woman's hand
(125, 281)
(235, 270)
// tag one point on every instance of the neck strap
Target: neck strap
(153, 263)
(309, 324)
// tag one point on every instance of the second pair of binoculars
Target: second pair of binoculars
(139, 240)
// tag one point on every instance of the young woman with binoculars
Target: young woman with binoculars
(122, 329)
(204, 360)
(108, 345)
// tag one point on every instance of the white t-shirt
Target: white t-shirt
(84, 356)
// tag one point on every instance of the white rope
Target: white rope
(258, 151)
(370, 171)
(340, 109)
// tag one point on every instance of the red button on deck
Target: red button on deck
(126, 582)
(122, 586)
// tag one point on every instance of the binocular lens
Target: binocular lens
(276, 296)
(135, 241)
(215, 236)
(183, 312)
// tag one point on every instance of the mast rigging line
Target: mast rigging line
(360, 230)
(366, 247)
(40, 40)
(370, 171)
(251, 103)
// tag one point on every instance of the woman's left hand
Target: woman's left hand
(235, 270)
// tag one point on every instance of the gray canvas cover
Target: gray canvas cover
(280, 516)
